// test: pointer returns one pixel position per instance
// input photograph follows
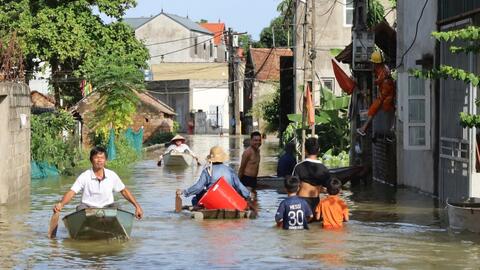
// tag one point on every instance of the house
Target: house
(262, 78)
(41, 102)
(219, 49)
(172, 38)
(182, 51)
(428, 122)
(153, 115)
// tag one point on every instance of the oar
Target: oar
(178, 203)
(52, 229)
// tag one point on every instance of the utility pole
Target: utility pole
(313, 55)
(308, 65)
(231, 88)
(235, 127)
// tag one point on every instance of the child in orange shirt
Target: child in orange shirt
(332, 209)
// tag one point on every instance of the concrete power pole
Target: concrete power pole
(308, 63)
(231, 87)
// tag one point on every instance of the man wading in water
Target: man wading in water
(248, 170)
(314, 176)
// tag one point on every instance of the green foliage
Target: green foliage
(175, 127)
(445, 72)
(66, 34)
(335, 51)
(331, 124)
(160, 137)
(281, 35)
(48, 144)
(335, 161)
(126, 154)
(470, 34)
(116, 80)
(375, 13)
(267, 109)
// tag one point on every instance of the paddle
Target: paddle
(178, 203)
(52, 229)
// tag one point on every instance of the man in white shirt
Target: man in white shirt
(98, 185)
(177, 144)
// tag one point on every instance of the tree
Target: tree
(66, 34)
(470, 36)
(117, 81)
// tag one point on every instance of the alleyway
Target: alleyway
(388, 229)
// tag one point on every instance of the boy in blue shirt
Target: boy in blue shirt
(293, 213)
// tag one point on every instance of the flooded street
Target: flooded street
(389, 229)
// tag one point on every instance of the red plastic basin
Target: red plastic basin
(223, 196)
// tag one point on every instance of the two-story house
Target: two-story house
(188, 71)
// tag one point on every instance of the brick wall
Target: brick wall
(14, 142)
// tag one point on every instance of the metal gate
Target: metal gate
(455, 141)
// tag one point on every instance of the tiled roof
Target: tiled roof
(266, 62)
(186, 22)
(136, 22)
(217, 29)
(193, 26)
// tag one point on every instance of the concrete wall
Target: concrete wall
(162, 29)
(415, 168)
(207, 95)
(14, 142)
(330, 33)
(176, 94)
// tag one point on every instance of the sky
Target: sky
(242, 16)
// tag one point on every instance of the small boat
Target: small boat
(177, 159)
(200, 214)
(464, 215)
(344, 174)
(99, 223)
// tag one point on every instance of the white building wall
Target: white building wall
(207, 98)
(415, 167)
(164, 36)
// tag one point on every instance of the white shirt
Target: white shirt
(98, 193)
(181, 148)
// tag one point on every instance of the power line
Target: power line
(414, 37)
(182, 49)
(174, 40)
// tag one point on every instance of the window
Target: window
(211, 49)
(196, 44)
(417, 120)
(348, 11)
(328, 83)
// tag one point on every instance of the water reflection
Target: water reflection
(389, 228)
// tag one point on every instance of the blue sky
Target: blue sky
(243, 16)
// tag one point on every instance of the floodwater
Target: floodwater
(389, 229)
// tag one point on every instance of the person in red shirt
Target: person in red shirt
(386, 87)
(332, 209)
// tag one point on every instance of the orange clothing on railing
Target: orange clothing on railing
(386, 87)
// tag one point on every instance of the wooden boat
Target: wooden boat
(464, 215)
(177, 159)
(344, 174)
(201, 214)
(99, 223)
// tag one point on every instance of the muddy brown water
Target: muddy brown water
(389, 229)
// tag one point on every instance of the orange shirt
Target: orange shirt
(333, 210)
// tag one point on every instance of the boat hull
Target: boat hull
(464, 216)
(99, 223)
(177, 159)
(344, 174)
